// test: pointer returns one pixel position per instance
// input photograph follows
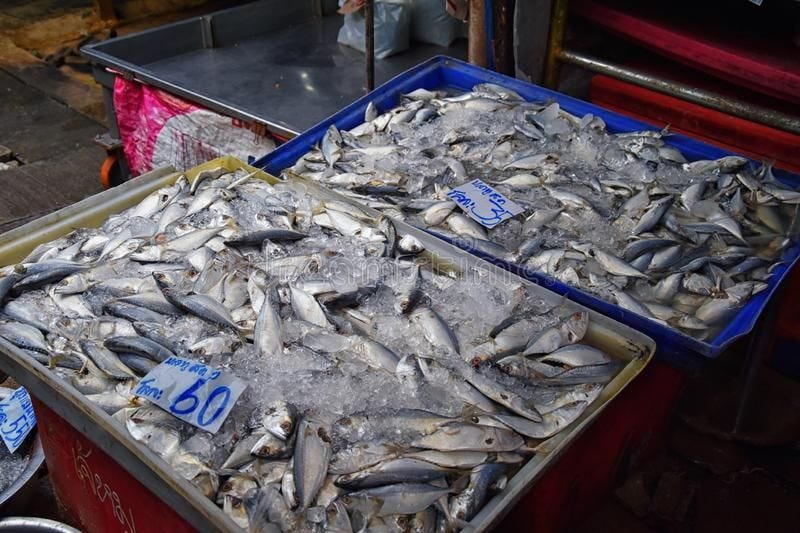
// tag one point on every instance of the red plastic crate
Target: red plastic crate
(95, 491)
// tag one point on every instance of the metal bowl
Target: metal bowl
(14, 499)
(25, 524)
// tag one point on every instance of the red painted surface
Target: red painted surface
(97, 493)
(632, 427)
(717, 44)
(733, 133)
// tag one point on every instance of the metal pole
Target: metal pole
(369, 48)
(756, 113)
(503, 44)
(555, 44)
(476, 45)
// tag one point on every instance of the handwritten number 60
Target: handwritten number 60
(189, 396)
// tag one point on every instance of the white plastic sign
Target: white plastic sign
(194, 392)
(484, 204)
(16, 418)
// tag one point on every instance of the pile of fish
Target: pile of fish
(389, 387)
(624, 216)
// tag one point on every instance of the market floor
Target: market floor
(55, 161)
(705, 480)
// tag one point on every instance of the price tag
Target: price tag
(16, 419)
(484, 204)
(192, 391)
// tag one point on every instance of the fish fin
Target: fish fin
(396, 449)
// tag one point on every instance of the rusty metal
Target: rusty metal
(555, 44)
(503, 42)
(762, 115)
(476, 46)
(369, 48)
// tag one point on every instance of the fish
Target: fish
(132, 312)
(256, 238)
(24, 336)
(461, 436)
(360, 456)
(392, 471)
(106, 360)
(310, 460)
(465, 505)
(398, 499)
(307, 308)
(550, 424)
(614, 265)
(408, 293)
(653, 215)
(198, 305)
(434, 329)
(268, 334)
(139, 346)
(279, 418)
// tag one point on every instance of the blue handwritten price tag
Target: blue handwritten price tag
(484, 204)
(194, 392)
(16, 419)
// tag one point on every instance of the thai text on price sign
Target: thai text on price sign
(194, 392)
(16, 418)
(484, 204)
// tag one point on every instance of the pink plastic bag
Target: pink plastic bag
(157, 129)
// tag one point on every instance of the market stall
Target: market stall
(455, 301)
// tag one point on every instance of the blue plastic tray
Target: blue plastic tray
(445, 72)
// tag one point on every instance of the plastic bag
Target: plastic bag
(431, 23)
(392, 21)
(157, 128)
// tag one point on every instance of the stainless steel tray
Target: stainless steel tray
(272, 62)
(618, 340)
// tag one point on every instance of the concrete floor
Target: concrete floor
(53, 143)
(706, 478)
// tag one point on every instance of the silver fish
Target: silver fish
(311, 458)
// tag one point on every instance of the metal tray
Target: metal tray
(271, 62)
(445, 72)
(16, 497)
(618, 340)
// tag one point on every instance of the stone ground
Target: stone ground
(701, 481)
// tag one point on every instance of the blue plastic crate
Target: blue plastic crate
(443, 72)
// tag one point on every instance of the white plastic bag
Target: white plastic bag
(392, 20)
(431, 23)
